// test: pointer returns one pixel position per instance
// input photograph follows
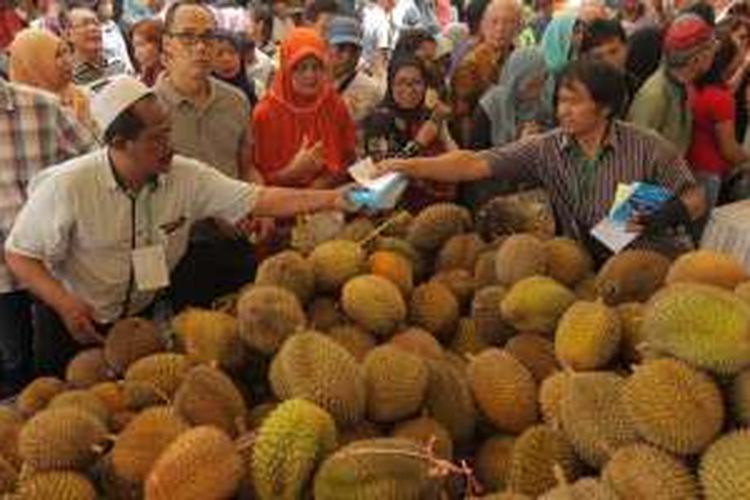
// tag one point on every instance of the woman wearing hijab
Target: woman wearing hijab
(403, 125)
(229, 62)
(511, 110)
(43, 60)
(560, 45)
(303, 133)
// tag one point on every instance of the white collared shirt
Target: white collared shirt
(79, 221)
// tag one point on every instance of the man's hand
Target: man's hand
(393, 165)
(78, 317)
(308, 160)
(257, 229)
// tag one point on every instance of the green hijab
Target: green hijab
(557, 42)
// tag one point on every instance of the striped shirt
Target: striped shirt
(34, 133)
(582, 192)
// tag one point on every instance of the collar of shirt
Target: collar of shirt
(610, 141)
(6, 96)
(108, 177)
(175, 98)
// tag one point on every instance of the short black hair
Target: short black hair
(600, 31)
(128, 125)
(411, 39)
(474, 13)
(172, 12)
(318, 7)
(605, 83)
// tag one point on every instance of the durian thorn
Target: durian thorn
(382, 227)
(559, 473)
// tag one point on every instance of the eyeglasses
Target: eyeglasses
(413, 83)
(192, 39)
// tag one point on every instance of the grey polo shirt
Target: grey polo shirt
(84, 226)
(213, 133)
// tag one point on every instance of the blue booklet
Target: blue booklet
(638, 197)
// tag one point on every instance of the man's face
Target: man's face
(500, 24)
(612, 51)
(577, 112)
(343, 58)
(189, 44)
(152, 150)
(84, 31)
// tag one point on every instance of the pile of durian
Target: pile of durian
(412, 361)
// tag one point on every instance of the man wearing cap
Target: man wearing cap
(35, 133)
(100, 233)
(360, 92)
(662, 103)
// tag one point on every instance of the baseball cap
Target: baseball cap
(113, 96)
(344, 29)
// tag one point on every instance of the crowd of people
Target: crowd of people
(142, 141)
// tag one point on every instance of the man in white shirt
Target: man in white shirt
(378, 36)
(360, 92)
(100, 233)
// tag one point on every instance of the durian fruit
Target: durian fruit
(418, 341)
(129, 340)
(290, 270)
(567, 261)
(110, 485)
(436, 224)
(587, 336)
(551, 392)
(311, 366)
(324, 313)
(60, 485)
(259, 413)
(210, 337)
(708, 267)
(493, 459)
(642, 471)
(536, 304)
(534, 457)
(154, 379)
(201, 463)
(267, 316)
(394, 267)
(594, 418)
(8, 476)
(586, 288)
(61, 438)
(11, 423)
(112, 395)
(520, 256)
(434, 308)
(35, 396)
(83, 400)
(673, 406)
(739, 398)
(290, 444)
(208, 397)
(374, 303)
(335, 262)
(427, 432)
(460, 282)
(505, 495)
(385, 468)
(724, 465)
(504, 390)
(484, 269)
(449, 401)
(396, 382)
(467, 340)
(354, 339)
(488, 319)
(588, 488)
(632, 338)
(405, 249)
(87, 368)
(460, 252)
(361, 431)
(631, 276)
(143, 440)
(357, 229)
(743, 291)
(535, 352)
(704, 325)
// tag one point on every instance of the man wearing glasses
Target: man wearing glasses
(83, 31)
(209, 122)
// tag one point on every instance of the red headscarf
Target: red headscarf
(282, 119)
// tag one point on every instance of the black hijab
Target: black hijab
(240, 80)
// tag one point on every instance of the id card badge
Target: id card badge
(150, 268)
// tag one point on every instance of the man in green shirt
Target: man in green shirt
(662, 103)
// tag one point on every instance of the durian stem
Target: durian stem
(382, 227)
